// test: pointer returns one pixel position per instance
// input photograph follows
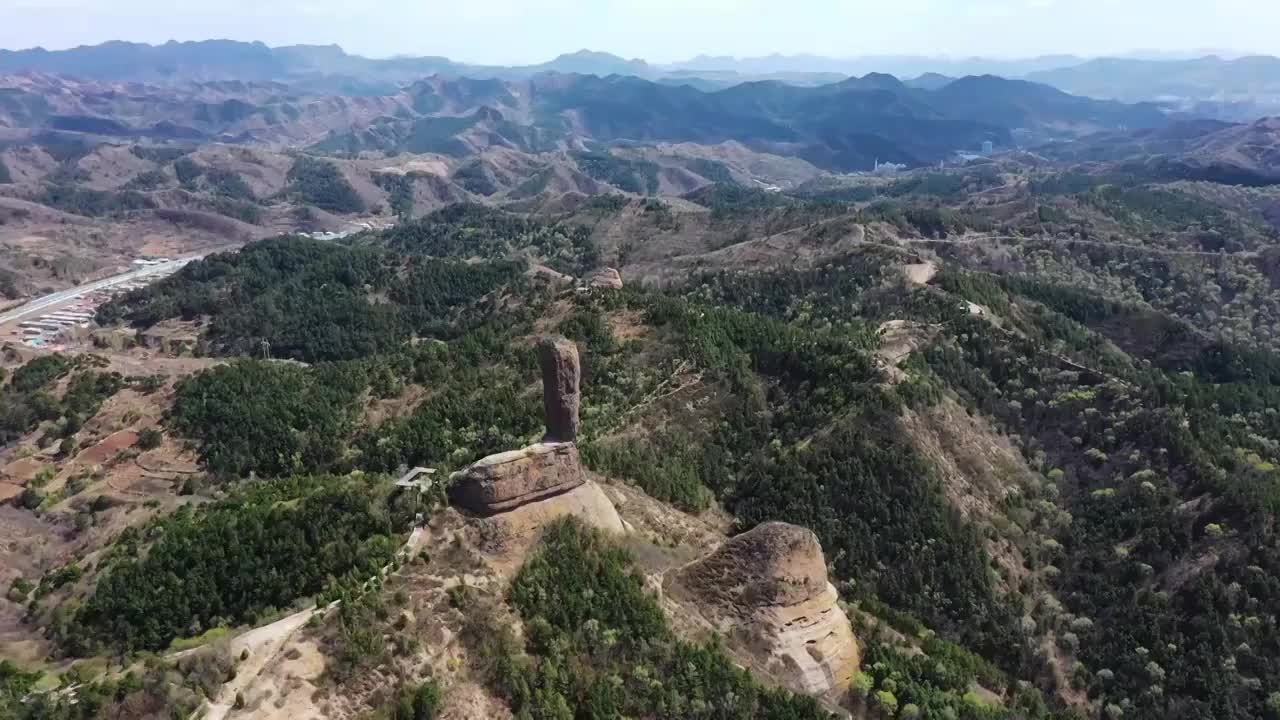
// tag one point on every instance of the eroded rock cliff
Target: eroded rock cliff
(766, 591)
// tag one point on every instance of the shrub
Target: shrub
(150, 438)
(19, 589)
(420, 703)
(886, 702)
(862, 685)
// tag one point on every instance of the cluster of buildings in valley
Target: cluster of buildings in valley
(353, 229)
(883, 169)
(68, 316)
(53, 330)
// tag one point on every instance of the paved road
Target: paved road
(46, 303)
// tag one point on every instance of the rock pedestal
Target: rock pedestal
(506, 481)
(561, 376)
(516, 493)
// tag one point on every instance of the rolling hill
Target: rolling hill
(1234, 153)
(843, 126)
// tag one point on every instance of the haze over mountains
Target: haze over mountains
(843, 126)
(1242, 86)
(1208, 85)
(813, 109)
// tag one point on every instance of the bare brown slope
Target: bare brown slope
(1253, 148)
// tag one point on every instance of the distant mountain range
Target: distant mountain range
(323, 68)
(229, 111)
(317, 67)
(1231, 88)
(226, 59)
(843, 126)
(899, 65)
(1241, 87)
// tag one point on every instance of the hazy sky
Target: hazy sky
(528, 31)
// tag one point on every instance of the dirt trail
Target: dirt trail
(805, 228)
(267, 643)
(263, 644)
(974, 239)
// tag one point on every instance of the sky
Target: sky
(532, 31)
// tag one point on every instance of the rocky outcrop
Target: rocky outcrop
(561, 376)
(516, 493)
(553, 277)
(506, 481)
(767, 592)
(774, 564)
(504, 538)
(605, 279)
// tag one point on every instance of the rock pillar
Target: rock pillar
(561, 375)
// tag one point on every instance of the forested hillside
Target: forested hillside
(407, 389)
(310, 300)
(1029, 415)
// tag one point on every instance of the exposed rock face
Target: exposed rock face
(921, 273)
(553, 277)
(767, 591)
(506, 537)
(605, 279)
(561, 375)
(508, 480)
(774, 564)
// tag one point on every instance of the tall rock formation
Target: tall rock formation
(767, 592)
(561, 377)
(515, 493)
